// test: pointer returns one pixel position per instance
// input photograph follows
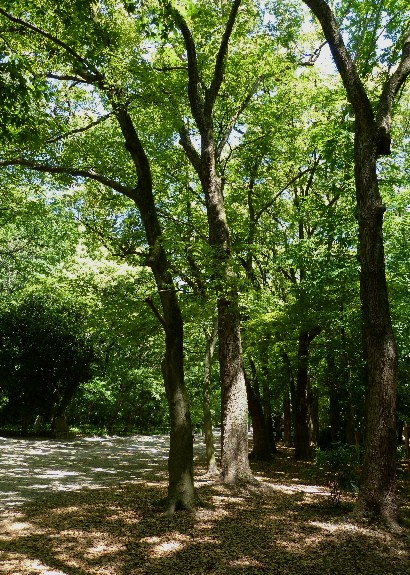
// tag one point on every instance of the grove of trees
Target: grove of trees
(204, 220)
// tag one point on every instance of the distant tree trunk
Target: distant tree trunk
(302, 436)
(261, 445)
(313, 397)
(211, 340)
(337, 423)
(287, 420)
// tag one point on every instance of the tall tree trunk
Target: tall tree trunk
(378, 488)
(211, 340)
(180, 462)
(202, 100)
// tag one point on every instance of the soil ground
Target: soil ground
(90, 507)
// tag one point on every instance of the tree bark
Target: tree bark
(378, 488)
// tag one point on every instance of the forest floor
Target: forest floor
(90, 507)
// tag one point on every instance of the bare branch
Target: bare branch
(238, 112)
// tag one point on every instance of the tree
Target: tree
(372, 140)
(45, 354)
(60, 48)
(202, 99)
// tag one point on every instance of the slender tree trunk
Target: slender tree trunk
(180, 462)
(287, 420)
(209, 440)
(302, 443)
(313, 397)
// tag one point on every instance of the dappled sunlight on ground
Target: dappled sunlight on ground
(112, 525)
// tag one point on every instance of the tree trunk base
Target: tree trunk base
(383, 512)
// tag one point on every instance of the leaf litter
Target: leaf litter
(285, 523)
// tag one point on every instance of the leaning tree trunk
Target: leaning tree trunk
(378, 488)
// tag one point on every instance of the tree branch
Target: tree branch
(218, 75)
(191, 152)
(239, 111)
(351, 80)
(94, 76)
(156, 312)
(388, 95)
(79, 130)
(69, 171)
(194, 78)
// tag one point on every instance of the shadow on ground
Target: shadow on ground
(286, 524)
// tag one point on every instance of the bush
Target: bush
(341, 465)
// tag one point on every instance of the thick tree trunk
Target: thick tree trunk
(234, 458)
(212, 467)
(302, 436)
(378, 489)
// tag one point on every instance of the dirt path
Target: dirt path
(30, 468)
